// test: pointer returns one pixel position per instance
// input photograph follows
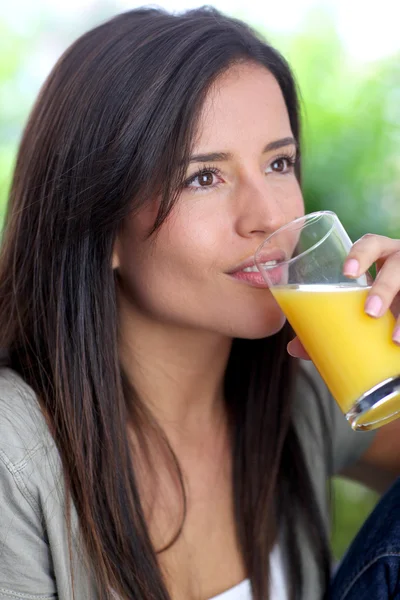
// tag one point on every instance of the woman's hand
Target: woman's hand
(385, 290)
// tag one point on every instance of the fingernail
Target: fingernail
(351, 267)
(396, 335)
(288, 349)
(373, 306)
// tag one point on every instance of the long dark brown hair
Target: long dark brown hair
(112, 127)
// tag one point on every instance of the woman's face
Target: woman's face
(238, 190)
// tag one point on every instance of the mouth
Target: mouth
(264, 265)
(250, 277)
(247, 271)
(266, 258)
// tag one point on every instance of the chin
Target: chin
(256, 331)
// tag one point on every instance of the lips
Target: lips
(255, 278)
(264, 256)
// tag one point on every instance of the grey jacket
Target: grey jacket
(35, 559)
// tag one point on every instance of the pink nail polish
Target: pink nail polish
(351, 267)
(373, 306)
(396, 335)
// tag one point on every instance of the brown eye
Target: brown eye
(208, 177)
(280, 165)
(205, 179)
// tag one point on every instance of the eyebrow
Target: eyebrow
(220, 156)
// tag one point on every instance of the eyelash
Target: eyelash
(199, 173)
(291, 159)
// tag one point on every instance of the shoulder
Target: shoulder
(32, 532)
(23, 428)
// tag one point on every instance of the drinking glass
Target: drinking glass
(302, 264)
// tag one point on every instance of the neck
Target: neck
(178, 373)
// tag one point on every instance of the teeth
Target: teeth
(254, 269)
(250, 270)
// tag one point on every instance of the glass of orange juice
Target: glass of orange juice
(302, 264)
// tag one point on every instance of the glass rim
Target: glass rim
(314, 215)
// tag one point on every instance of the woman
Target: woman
(157, 441)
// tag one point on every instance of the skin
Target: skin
(180, 308)
(178, 304)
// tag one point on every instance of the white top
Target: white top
(278, 590)
(241, 591)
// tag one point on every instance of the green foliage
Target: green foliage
(6, 166)
(14, 102)
(352, 503)
(351, 130)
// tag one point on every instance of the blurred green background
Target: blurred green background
(351, 160)
(351, 134)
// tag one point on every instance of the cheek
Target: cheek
(252, 315)
(298, 204)
(292, 200)
(191, 241)
(172, 268)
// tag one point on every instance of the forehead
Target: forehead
(245, 105)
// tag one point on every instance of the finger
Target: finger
(296, 349)
(367, 250)
(385, 287)
(396, 332)
(395, 306)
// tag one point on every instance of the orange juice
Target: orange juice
(352, 351)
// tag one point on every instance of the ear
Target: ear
(115, 262)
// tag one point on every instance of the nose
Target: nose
(261, 208)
